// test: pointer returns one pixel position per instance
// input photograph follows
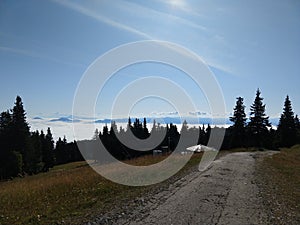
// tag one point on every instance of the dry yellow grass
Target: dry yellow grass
(55, 196)
(74, 193)
(146, 160)
(281, 190)
(70, 194)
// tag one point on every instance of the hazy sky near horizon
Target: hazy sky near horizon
(46, 46)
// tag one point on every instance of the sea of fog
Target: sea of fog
(86, 128)
(61, 129)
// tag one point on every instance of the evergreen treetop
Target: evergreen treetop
(259, 121)
(287, 127)
(239, 115)
(287, 119)
(238, 128)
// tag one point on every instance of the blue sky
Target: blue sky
(46, 46)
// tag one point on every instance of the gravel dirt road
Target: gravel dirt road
(226, 193)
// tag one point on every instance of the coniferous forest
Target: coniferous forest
(25, 152)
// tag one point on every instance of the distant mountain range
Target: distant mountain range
(178, 120)
(161, 120)
(60, 119)
(37, 118)
(168, 120)
(65, 119)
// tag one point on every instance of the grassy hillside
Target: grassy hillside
(280, 178)
(73, 193)
(68, 194)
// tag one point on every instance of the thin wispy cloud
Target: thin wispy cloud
(93, 14)
(175, 113)
(181, 5)
(152, 13)
(194, 56)
(30, 53)
(139, 11)
(199, 113)
(19, 51)
(218, 66)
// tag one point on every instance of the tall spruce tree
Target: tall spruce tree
(129, 124)
(50, 144)
(34, 156)
(10, 161)
(145, 129)
(238, 129)
(47, 149)
(259, 122)
(287, 132)
(105, 131)
(20, 127)
(21, 134)
(297, 123)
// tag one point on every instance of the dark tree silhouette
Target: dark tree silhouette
(47, 149)
(145, 129)
(287, 127)
(238, 129)
(34, 157)
(50, 144)
(202, 135)
(188, 135)
(59, 151)
(259, 122)
(10, 161)
(105, 131)
(173, 136)
(129, 124)
(65, 152)
(22, 152)
(207, 134)
(21, 133)
(113, 129)
(297, 124)
(184, 128)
